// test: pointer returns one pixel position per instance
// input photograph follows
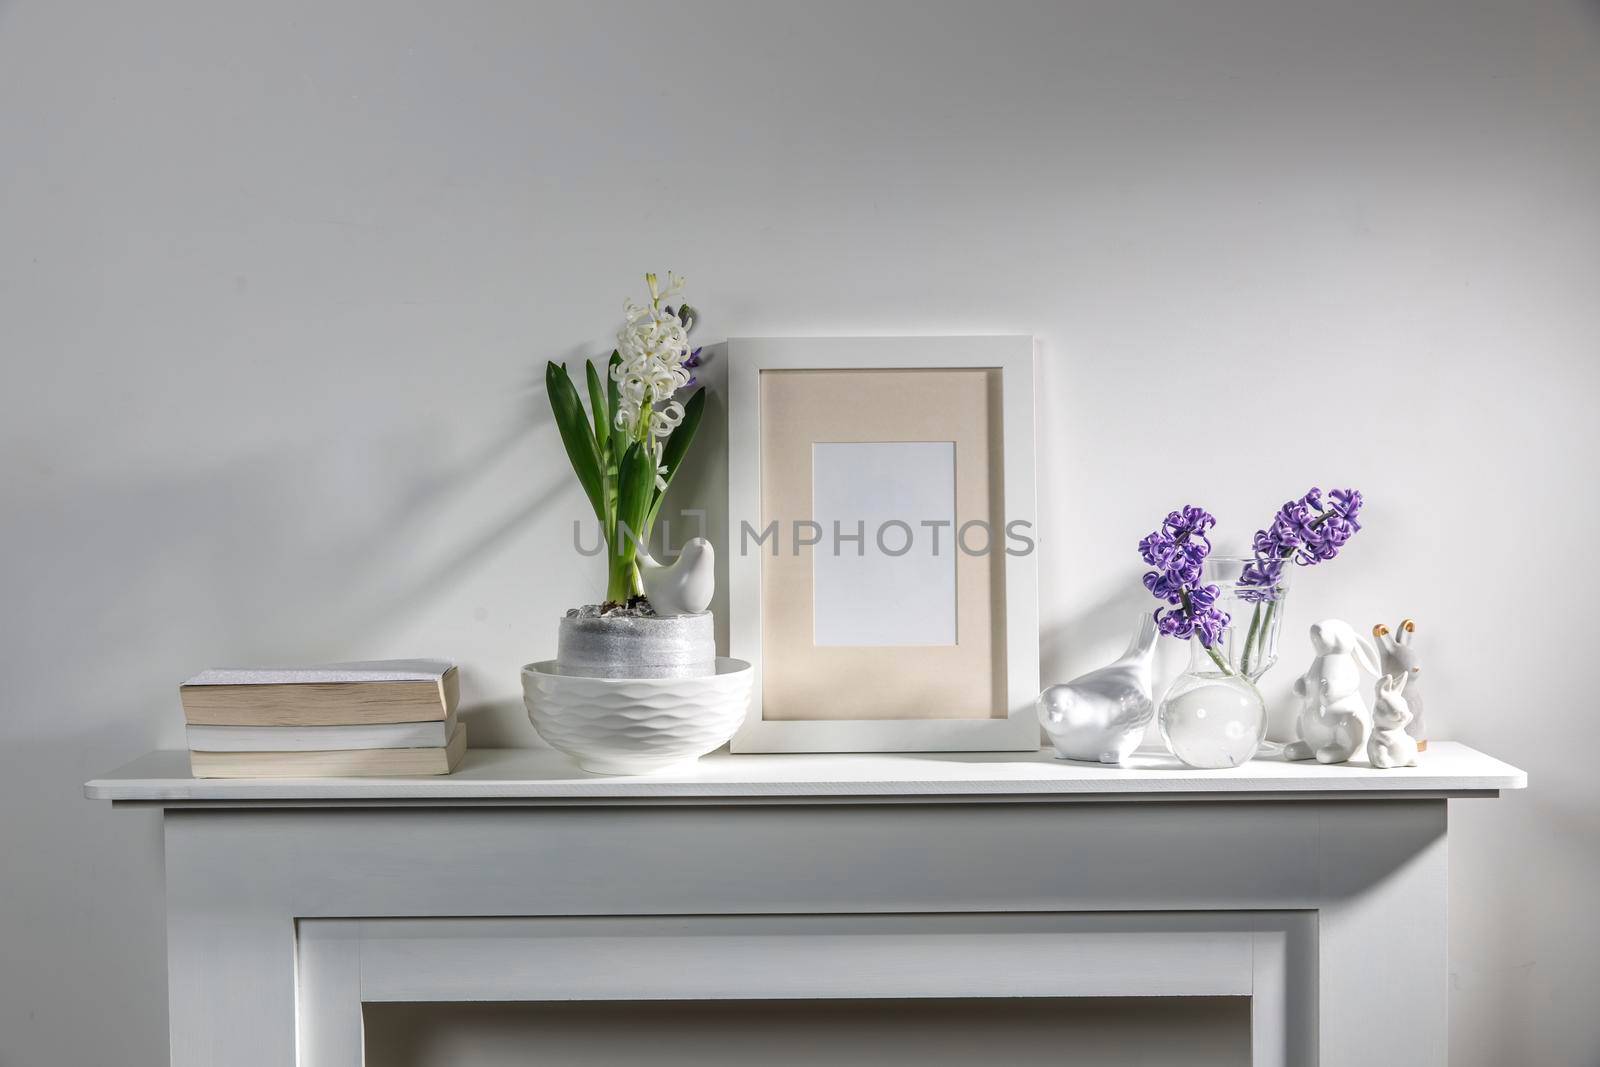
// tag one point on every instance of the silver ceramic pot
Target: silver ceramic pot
(632, 646)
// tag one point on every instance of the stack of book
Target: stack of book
(385, 718)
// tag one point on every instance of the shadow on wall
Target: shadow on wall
(1088, 626)
(307, 555)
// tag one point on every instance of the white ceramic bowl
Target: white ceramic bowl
(636, 725)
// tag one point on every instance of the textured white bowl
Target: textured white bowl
(636, 725)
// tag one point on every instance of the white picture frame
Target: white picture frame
(1013, 723)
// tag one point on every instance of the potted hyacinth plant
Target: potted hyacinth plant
(625, 450)
(636, 686)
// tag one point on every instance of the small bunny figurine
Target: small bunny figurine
(1333, 719)
(1398, 655)
(1390, 745)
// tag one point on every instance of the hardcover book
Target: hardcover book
(320, 738)
(362, 763)
(340, 694)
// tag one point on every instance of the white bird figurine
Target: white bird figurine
(1102, 716)
(684, 586)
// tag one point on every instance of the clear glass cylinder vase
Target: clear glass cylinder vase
(1212, 716)
(1255, 610)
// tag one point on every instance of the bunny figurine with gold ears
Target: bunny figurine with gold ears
(1399, 656)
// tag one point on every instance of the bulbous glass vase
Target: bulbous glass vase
(1212, 716)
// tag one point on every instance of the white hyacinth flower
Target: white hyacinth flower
(665, 420)
(652, 346)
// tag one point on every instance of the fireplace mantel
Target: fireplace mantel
(523, 775)
(1317, 891)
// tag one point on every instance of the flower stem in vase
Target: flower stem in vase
(1266, 628)
(1250, 640)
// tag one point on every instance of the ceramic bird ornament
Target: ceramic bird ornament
(685, 586)
(1101, 717)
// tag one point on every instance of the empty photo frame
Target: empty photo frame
(882, 576)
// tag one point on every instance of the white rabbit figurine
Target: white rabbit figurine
(1390, 745)
(1333, 719)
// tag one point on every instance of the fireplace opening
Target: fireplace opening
(986, 1032)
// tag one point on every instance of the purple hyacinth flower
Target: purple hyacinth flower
(1201, 597)
(1263, 571)
(1259, 579)
(1307, 531)
(1177, 624)
(1190, 522)
(1210, 624)
(1165, 585)
(1177, 551)
(1156, 549)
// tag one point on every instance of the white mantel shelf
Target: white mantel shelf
(291, 903)
(535, 776)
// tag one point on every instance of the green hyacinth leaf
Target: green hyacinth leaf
(600, 410)
(636, 480)
(576, 436)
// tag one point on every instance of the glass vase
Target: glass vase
(1250, 644)
(1212, 716)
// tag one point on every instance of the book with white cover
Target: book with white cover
(320, 738)
(377, 670)
(339, 694)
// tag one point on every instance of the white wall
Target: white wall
(277, 282)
